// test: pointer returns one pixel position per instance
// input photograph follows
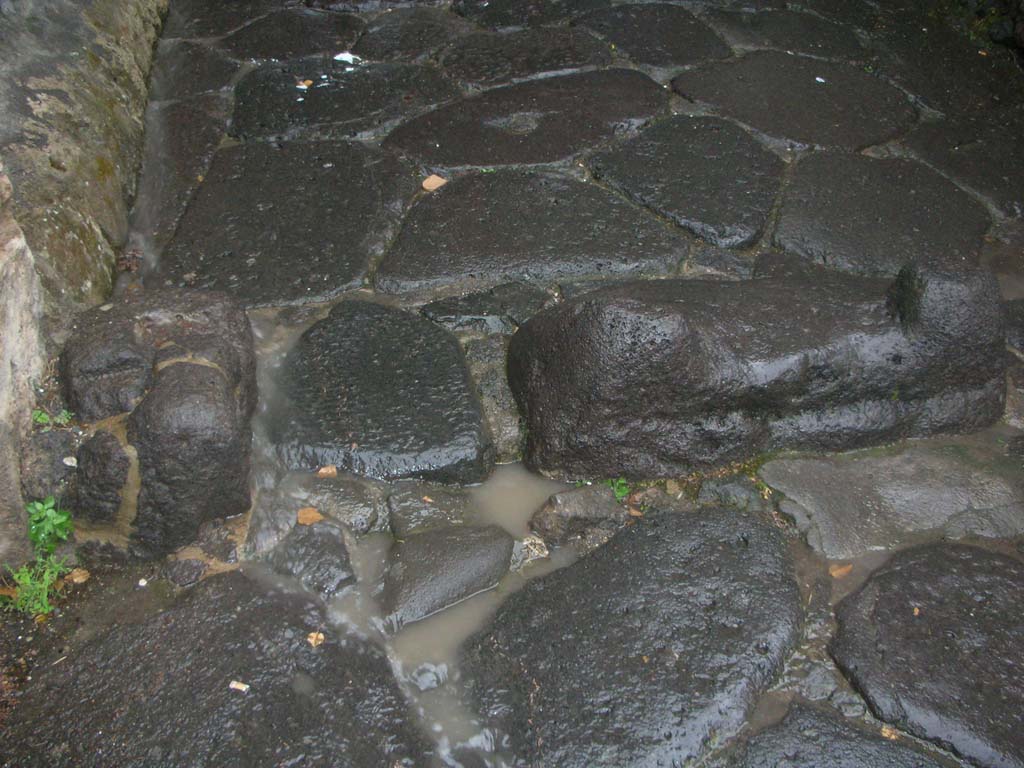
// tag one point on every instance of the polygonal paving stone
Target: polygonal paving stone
(278, 225)
(409, 34)
(609, 663)
(183, 69)
(472, 232)
(706, 174)
(788, 31)
(384, 393)
(520, 13)
(540, 121)
(933, 642)
(341, 99)
(658, 34)
(201, 18)
(871, 216)
(806, 101)
(294, 32)
(493, 58)
(983, 153)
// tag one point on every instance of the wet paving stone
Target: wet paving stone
(706, 174)
(501, 309)
(201, 18)
(788, 31)
(933, 642)
(411, 34)
(489, 58)
(337, 100)
(288, 224)
(541, 121)
(606, 663)
(802, 100)
(184, 69)
(812, 738)
(294, 32)
(384, 393)
(658, 34)
(522, 13)
(471, 232)
(871, 216)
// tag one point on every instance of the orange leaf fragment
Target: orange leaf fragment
(634, 512)
(840, 571)
(433, 181)
(428, 500)
(315, 638)
(917, 611)
(328, 471)
(890, 733)
(308, 516)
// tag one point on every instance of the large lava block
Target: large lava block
(655, 378)
(645, 652)
(384, 393)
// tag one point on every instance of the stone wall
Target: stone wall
(73, 87)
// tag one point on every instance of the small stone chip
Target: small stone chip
(315, 638)
(70, 461)
(433, 182)
(235, 685)
(308, 516)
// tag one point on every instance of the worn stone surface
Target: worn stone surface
(732, 491)
(489, 58)
(1014, 313)
(304, 704)
(102, 472)
(183, 69)
(344, 99)
(470, 233)
(789, 31)
(501, 309)
(384, 393)
(653, 378)
(586, 517)
(782, 96)
(636, 666)
(540, 121)
(316, 555)
(415, 507)
(517, 13)
(43, 471)
(185, 573)
(704, 173)
(260, 205)
(932, 641)
(658, 34)
(410, 34)
(200, 18)
(432, 570)
(810, 738)
(486, 358)
(871, 216)
(293, 32)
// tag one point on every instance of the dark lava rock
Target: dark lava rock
(182, 69)
(384, 393)
(812, 739)
(471, 232)
(981, 153)
(789, 31)
(654, 378)
(502, 309)
(410, 34)
(157, 693)
(102, 472)
(932, 641)
(344, 99)
(486, 358)
(316, 555)
(293, 32)
(540, 121)
(216, 540)
(1014, 312)
(416, 507)
(870, 216)
(432, 570)
(658, 34)
(201, 18)
(736, 491)
(489, 58)
(706, 174)
(110, 357)
(43, 472)
(298, 223)
(518, 13)
(783, 96)
(586, 516)
(185, 573)
(646, 651)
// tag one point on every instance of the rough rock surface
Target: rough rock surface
(788, 30)
(486, 358)
(316, 706)
(201, 18)
(932, 641)
(653, 378)
(43, 471)
(658, 34)
(470, 232)
(414, 507)
(812, 739)
(102, 472)
(783, 96)
(587, 517)
(343, 100)
(518, 13)
(293, 32)
(260, 204)
(501, 309)
(410, 34)
(183, 68)
(851, 504)
(384, 393)
(316, 555)
(540, 121)
(872, 216)
(432, 570)
(706, 174)
(605, 663)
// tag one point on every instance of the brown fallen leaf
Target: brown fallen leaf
(78, 576)
(10, 592)
(328, 471)
(428, 500)
(308, 516)
(315, 638)
(917, 611)
(890, 733)
(840, 571)
(634, 512)
(433, 181)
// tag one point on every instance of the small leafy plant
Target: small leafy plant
(47, 525)
(34, 585)
(43, 419)
(620, 487)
